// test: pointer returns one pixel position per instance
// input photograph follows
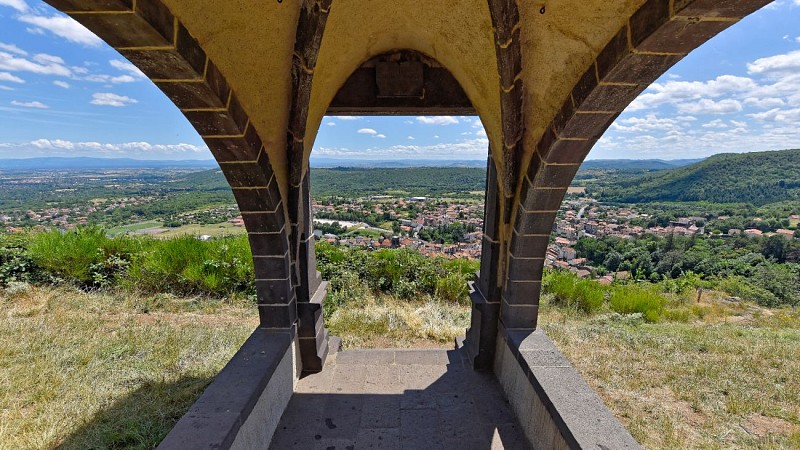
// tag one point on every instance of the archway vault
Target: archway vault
(255, 77)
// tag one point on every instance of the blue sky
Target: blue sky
(63, 92)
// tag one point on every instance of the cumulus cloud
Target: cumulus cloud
(64, 27)
(109, 99)
(778, 64)
(42, 64)
(437, 120)
(369, 131)
(708, 106)
(34, 104)
(5, 76)
(380, 136)
(681, 91)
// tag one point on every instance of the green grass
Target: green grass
(635, 299)
(95, 371)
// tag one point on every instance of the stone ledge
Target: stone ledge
(257, 382)
(557, 408)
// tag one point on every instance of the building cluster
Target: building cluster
(412, 215)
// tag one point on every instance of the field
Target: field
(106, 370)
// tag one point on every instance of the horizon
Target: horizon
(65, 93)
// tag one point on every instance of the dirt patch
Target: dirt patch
(762, 426)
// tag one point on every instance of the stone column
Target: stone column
(311, 290)
(485, 291)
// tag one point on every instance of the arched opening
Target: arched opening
(266, 167)
(403, 82)
(715, 100)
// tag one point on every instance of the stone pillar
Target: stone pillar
(485, 291)
(311, 290)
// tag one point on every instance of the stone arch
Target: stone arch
(658, 35)
(152, 38)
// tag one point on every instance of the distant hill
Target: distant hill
(358, 181)
(55, 163)
(639, 164)
(422, 181)
(757, 178)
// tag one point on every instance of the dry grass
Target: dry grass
(385, 321)
(730, 380)
(95, 371)
(110, 371)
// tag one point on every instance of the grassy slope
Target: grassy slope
(724, 178)
(95, 371)
(729, 381)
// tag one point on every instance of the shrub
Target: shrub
(187, 266)
(452, 288)
(85, 255)
(634, 299)
(569, 290)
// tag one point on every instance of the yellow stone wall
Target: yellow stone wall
(252, 42)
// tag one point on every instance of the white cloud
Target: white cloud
(779, 115)
(62, 147)
(481, 133)
(61, 84)
(437, 120)
(411, 138)
(716, 123)
(649, 123)
(708, 106)
(37, 105)
(13, 49)
(41, 64)
(125, 66)
(469, 149)
(331, 124)
(101, 78)
(347, 117)
(764, 103)
(19, 5)
(380, 136)
(5, 76)
(109, 99)
(785, 63)
(64, 27)
(369, 131)
(5, 88)
(681, 91)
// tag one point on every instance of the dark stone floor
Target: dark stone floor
(398, 399)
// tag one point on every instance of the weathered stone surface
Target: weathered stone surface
(436, 404)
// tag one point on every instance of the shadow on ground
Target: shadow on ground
(140, 420)
(399, 399)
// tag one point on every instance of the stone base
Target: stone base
(312, 333)
(482, 333)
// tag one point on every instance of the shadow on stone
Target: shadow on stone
(399, 399)
(140, 420)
